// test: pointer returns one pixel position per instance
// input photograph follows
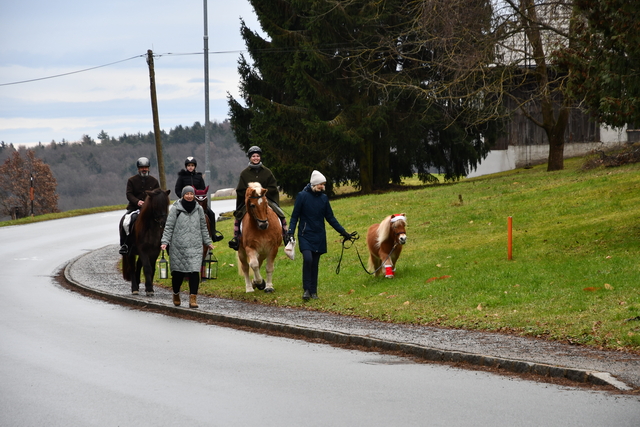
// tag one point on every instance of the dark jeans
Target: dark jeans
(310, 263)
(194, 281)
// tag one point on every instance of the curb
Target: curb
(422, 352)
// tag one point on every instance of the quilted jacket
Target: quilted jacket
(185, 233)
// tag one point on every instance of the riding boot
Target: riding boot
(215, 237)
(233, 243)
(285, 232)
(124, 246)
(192, 301)
(176, 299)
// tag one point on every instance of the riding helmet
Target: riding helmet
(143, 162)
(191, 159)
(253, 150)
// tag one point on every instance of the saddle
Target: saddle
(129, 219)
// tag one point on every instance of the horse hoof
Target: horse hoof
(134, 292)
(260, 286)
(149, 293)
(389, 276)
(269, 290)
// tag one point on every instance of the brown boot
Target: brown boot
(176, 299)
(192, 301)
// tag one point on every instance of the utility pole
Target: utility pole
(156, 121)
(206, 97)
(31, 193)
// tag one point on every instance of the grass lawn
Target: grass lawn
(574, 275)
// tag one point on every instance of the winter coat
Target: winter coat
(260, 174)
(185, 233)
(185, 178)
(136, 187)
(311, 209)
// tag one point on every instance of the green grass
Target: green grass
(574, 275)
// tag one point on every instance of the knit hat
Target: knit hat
(188, 189)
(317, 178)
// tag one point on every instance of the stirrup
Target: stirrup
(217, 236)
(124, 249)
(233, 244)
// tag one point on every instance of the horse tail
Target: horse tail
(127, 268)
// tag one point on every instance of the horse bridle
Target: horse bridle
(260, 221)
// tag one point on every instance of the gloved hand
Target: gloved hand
(345, 236)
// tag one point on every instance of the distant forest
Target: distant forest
(94, 172)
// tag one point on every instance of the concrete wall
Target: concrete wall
(522, 155)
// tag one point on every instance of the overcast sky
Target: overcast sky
(39, 39)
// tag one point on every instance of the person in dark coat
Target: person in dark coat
(310, 210)
(184, 233)
(137, 186)
(256, 172)
(189, 176)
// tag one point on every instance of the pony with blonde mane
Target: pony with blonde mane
(260, 237)
(385, 241)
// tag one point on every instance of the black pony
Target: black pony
(145, 241)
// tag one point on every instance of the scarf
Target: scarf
(189, 206)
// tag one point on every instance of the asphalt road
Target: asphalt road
(70, 360)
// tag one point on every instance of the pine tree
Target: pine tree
(308, 107)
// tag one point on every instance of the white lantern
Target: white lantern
(163, 267)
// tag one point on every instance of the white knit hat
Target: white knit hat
(317, 178)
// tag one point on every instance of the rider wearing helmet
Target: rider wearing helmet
(256, 172)
(137, 186)
(189, 176)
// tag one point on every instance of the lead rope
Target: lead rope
(352, 240)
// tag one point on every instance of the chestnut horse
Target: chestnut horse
(385, 242)
(260, 238)
(145, 241)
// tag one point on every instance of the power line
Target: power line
(222, 52)
(71, 72)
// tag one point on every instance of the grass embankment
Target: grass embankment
(574, 275)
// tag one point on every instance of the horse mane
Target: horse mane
(151, 204)
(384, 229)
(255, 186)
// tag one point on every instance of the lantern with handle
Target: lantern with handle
(163, 267)
(209, 269)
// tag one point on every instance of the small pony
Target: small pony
(260, 238)
(385, 241)
(145, 241)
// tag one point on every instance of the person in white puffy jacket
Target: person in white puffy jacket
(184, 233)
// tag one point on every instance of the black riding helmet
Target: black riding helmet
(190, 159)
(253, 150)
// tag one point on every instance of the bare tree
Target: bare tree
(475, 55)
(26, 183)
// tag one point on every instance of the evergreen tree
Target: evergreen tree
(307, 107)
(606, 56)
